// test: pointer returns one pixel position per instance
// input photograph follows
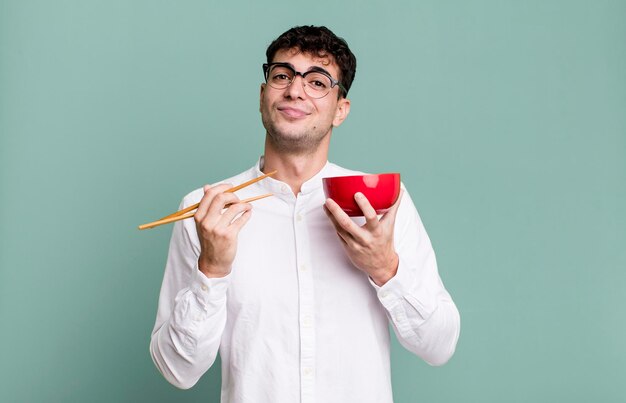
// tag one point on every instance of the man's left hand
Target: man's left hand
(369, 247)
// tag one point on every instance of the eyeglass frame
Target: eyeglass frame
(314, 69)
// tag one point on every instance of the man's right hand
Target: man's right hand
(217, 231)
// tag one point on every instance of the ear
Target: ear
(343, 109)
(262, 90)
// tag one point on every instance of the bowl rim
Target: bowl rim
(362, 176)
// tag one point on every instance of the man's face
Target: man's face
(294, 121)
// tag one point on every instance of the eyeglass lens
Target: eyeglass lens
(316, 84)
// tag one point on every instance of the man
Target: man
(295, 295)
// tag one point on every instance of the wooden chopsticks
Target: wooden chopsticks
(186, 212)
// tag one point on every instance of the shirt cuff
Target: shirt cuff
(208, 291)
(403, 288)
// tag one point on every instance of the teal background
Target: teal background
(507, 120)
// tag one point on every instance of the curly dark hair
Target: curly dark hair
(321, 42)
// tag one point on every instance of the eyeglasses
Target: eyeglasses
(317, 82)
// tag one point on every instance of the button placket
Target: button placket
(306, 304)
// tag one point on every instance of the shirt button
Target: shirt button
(308, 371)
(384, 294)
(204, 287)
(303, 267)
(284, 188)
(399, 317)
(299, 217)
(307, 321)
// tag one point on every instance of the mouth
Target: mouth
(293, 113)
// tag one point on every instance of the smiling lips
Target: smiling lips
(293, 113)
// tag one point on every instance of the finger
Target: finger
(214, 213)
(344, 222)
(209, 193)
(232, 212)
(343, 234)
(390, 216)
(371, 219)
(342, 239)
(241, 221)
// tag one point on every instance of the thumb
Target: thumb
(390, 215)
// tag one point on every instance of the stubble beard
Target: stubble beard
(302, 143)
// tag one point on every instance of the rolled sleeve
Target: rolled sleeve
(420, 309)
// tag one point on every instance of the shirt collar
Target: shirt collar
(279, 187)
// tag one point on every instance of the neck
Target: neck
(294, 168)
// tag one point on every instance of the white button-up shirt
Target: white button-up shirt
(295, 321)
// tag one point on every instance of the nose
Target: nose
(296, 88)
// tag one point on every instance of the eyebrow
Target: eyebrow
(312, 68)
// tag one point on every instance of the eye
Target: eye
(280, 77)
(318, 81)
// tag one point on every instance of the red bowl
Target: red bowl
(381, 190)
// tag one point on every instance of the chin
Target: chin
(296, 145)
(287, 137)
(286, 131)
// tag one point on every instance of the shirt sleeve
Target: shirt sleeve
(421, 311)
(191, 314)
